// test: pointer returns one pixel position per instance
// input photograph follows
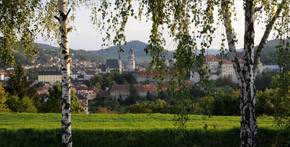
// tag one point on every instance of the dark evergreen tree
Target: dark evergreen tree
(133, 97)
(19, 86)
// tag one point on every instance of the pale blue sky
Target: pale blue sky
(88, 38)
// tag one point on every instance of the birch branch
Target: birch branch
(230, 37)
(267, 32)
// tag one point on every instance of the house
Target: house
(215, 70)
(123, 90)
(74, 74)
(4, 76)
(150, 77)
(101, 68)
(85, 105)
(49, 76)
(89, 74)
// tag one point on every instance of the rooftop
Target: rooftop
(49, 73)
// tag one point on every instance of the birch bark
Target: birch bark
(65, 71)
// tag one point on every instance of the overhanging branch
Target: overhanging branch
(230, 36)
(269, 28)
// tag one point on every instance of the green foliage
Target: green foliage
(53, 102)
(206, 105)
(226, 103)
(226, 81)
(26, 105)
(109, 79)
(133, 96)
(264, 80)
(108, 102)
(19, 26)
(265, 101)
(19, 86)
(157, 106)
(13, 103)
(3, 99)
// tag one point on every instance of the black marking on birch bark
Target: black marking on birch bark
(69, 29)
(61, 45)
(62, 15)
(62, 31)
(63, 36)
(67, 13)
(64, 52)
(57, 18)
(66, 57)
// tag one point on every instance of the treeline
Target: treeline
(107, 80)
(221, 99)
(18, 95)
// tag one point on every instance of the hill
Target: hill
(46, 52)
(268, 56)
(138, 47)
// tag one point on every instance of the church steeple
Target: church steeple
(120, 63)
(131, 60)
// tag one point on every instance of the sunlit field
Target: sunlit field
(27, 129)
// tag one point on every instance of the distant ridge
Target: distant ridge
(138, 46)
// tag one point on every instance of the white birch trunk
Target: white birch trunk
(65, 71)
(245, 73)
(249, 127)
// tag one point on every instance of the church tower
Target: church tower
(120, 64)
(131, 60)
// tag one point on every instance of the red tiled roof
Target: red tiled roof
(152, 75)
(125, 88)
(90, 72)
(4, 73)
(74, 72)
(211, 58)
(41, 92)
(83, 104)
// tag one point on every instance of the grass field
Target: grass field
(122, 121)
(128, 130)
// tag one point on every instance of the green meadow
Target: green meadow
(27, 129)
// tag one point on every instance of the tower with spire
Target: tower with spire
(131, 60)
(120, 64)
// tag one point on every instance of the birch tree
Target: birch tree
(65, 71)
(18, 28)
(191, 23)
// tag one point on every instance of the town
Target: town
(88, 84)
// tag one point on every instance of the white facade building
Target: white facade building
(131, 61)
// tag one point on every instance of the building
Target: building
(49, 76)
(123, 90)
(150, 77)
(215, 71)
(101, 68)
(4, 76)
(120, 64)
(131, 61)
(112, 64)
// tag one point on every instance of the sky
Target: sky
(87, 37)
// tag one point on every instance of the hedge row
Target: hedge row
(125, 138)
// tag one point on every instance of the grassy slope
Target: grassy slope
(20, 129)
